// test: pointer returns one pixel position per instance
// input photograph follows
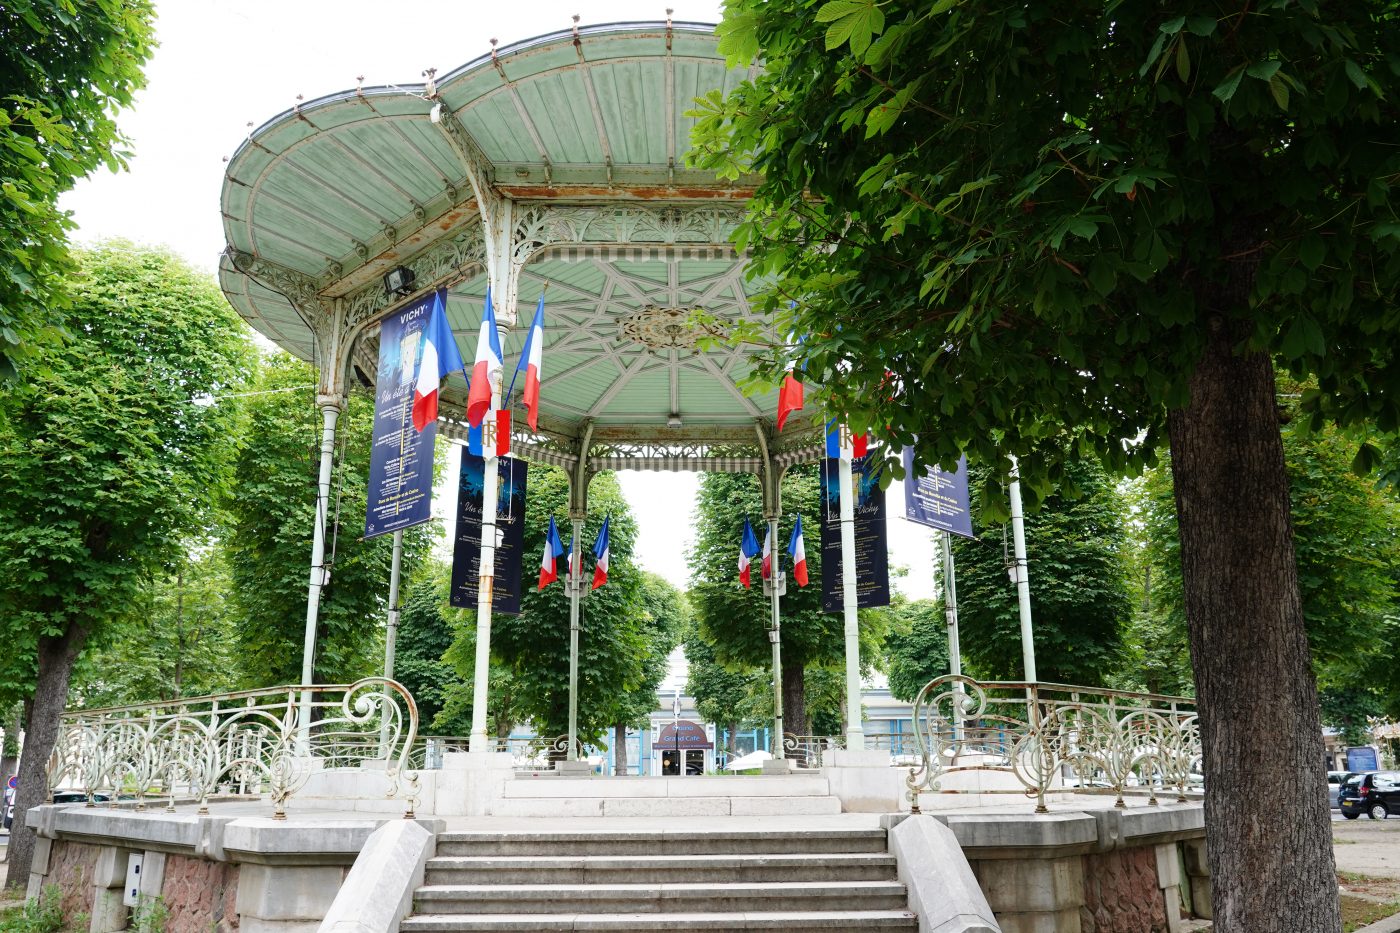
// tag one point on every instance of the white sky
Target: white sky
(225, 63)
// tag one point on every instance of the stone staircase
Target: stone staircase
(708, 796)
(662, 880)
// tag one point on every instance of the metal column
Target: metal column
(775, 587)
(320, 576)
(574, 585)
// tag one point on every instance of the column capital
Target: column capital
(330, 400)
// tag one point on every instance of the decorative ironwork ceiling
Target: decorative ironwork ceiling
(558, 161)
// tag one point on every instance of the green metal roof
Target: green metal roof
(337, 191)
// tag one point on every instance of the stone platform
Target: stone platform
(700, 796)
(1086, 867)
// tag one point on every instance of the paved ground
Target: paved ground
(1368, 847)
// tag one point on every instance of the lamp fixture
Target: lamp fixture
(674, 421)
(398, 282)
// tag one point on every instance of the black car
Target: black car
(1377, 794)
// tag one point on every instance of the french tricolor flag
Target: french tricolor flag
(488, 364)
(437, 358)
(798, 550)
(748, 550)
(860, 443)
(532, 364)
(767, 568)
(600, 555)
(553, 550)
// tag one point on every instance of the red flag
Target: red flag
(502, 432)
(789, 398)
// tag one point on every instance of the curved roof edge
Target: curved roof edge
(514, 48)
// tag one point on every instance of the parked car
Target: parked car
(62, 796)
(1335, 780)
(1376, 794)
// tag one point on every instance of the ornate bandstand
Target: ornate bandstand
(556, 163)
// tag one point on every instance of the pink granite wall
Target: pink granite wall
(199, 895)
(1121, 893)
(71, 867)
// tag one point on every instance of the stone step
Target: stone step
(666, 898)
(896, 920)
(787, 785)
(604, 869)
(683, 806)
(676, 842)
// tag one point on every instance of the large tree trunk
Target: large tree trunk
(1268, 827)
(56, 659)
(620, 748)
(794, 701)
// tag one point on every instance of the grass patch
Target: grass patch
(1357, 913)
(40, 916)
(1354, 877)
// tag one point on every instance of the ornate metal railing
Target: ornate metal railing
(533, 753)
(805, 751)
(256, 742)
(1053, 737)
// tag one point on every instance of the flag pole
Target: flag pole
(1021, 574)
(391, 633)
(855, 735)
(480, 687)
(950, 606)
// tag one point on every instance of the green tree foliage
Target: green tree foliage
(664, 614)
(1350, 711)
(271, 509)
(179, 639)
(66, 67)
(425, 634)
(1348, 572)
(113, 461)
(916, 648)
(1004, 226)
(1080, 599)
(502, 709)
(735, 620)
(620, 625)
(722, 695)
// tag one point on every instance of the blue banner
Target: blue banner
(510, 526)
(936, 497)
(401, 461)
(872, 546)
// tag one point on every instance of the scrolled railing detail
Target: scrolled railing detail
(1052, 737)
(269, 741)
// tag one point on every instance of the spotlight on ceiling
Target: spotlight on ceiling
(398, 282)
